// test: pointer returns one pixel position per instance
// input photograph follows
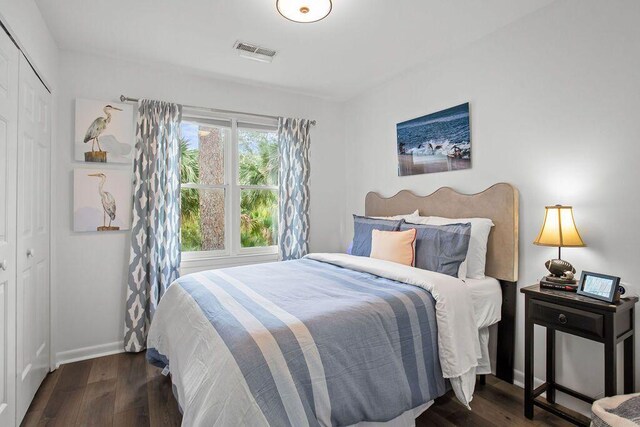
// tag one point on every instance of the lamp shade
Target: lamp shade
(559, 228)
(304, 11)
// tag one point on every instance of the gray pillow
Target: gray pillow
(440, 248)
(362, 228)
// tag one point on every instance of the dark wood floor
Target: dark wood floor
(123, 390)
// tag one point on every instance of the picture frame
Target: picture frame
(104, 132)
(102, 199)
(436, 142)
(599, 286)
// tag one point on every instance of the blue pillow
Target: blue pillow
(362, 228)
(440, 248)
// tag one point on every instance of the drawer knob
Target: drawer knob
(562, 319)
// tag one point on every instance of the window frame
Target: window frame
(233, 251)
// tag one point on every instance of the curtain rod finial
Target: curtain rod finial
(122, 98)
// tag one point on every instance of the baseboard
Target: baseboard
(518, 379)
(91, 352)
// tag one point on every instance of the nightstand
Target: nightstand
(585, 317)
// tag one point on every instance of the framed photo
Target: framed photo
(105, 132)
(101, 199)
(598, 286)
(437, 142)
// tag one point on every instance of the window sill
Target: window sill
(194, 265)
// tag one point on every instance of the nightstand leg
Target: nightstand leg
(551, 365)
(629, 370)
(528, 362)
(610, 359)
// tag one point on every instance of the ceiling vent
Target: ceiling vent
(252, 51)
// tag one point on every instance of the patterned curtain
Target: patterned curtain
(155, 232)
(293, 225)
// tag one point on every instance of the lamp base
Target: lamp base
(560, 268)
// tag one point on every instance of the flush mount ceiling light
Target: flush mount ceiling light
(304, 11)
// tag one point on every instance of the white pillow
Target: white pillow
(411, 216)
(477, 252)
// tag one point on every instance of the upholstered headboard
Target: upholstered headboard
(498, 202)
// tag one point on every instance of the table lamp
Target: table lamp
(559, 229)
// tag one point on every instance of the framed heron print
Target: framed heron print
(101, 199)
(104, 132)
(437, 142)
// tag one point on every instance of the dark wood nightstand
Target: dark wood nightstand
(585, 317)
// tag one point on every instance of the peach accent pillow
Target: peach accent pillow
(396, 246)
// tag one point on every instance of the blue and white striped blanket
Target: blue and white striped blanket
(297, 343)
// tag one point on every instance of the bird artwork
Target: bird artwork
(108, 204)
(97, 127)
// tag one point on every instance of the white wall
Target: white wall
(555, 103)
(91, 277)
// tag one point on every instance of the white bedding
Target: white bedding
(486, 295)
(487, 305)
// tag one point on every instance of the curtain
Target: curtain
(155, 232)
(293, 224)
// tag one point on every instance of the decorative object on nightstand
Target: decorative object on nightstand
(604, 322)
(559, 229)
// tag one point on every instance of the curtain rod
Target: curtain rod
(213, 110)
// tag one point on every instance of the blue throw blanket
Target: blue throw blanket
(314, 343)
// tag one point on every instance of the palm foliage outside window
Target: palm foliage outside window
(213, 186)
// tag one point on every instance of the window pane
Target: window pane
(258, 157)
(202, 227)
(202, 153)
(258, 218)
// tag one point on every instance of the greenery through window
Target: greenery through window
(258, 163)
(229, 175)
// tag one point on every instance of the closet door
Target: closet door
(9, 57)
(34, 139)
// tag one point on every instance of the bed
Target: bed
(335, 339)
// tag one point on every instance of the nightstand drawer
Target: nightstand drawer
(567, 318)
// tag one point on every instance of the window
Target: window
(229, 175)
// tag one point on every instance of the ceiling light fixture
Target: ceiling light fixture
(304, 11)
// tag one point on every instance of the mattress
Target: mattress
(486, 296)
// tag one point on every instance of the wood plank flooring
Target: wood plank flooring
(123, 390)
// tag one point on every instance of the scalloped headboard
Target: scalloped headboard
(498, 202)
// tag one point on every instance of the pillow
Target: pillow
(362, 227)
(440, 248)
(414, 214)
(396, 246)
(477, 253)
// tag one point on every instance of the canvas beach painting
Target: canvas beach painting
(437, 142)
(101, 199)
(104, 132)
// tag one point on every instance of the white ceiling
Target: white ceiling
(360, 44)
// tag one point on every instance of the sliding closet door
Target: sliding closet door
(9, 57)
(34, 139)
